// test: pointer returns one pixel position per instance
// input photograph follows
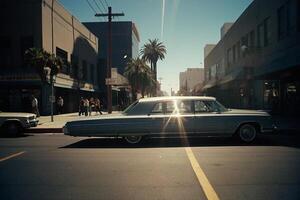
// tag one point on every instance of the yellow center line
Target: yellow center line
(11, 156)
(203, 180)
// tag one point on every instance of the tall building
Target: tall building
(190, 78)
(125, 45)
(225, 28)
(125, 42)
(45, 24)
(256, 64)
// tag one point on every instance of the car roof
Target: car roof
(164, 98)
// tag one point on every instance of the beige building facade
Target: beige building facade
(190, 78)
(45, 24)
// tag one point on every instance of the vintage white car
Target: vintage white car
(175, 116)
(13, 124)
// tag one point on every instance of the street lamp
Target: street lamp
(52, 81)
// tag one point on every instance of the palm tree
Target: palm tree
(152, 52)
(139, 76)
(43, 62)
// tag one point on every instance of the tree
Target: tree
(152, 52)
(44, 63)
(139, 76)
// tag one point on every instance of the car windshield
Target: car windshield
(130, 107)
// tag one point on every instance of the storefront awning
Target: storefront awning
(207, 86)
(236, 74)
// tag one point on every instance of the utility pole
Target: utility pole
(110, 15)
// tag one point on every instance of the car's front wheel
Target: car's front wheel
(247, 133)
(12, 129)
(133, 139)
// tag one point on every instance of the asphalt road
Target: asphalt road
(54, 166)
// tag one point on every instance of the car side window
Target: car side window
(200, 107)
(158, 108)
(170, 108)
(212, 106)
(184, 107)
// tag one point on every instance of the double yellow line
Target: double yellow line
(203, 180)
(11, 156)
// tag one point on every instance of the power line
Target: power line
(98, 6)
(91, 6)
(106, 3)
(104, 7)
(110, 15)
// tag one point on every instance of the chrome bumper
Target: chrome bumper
(272, 129)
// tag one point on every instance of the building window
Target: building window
(233, 53)
(245, 42)
(5, 52)
(229, 60)
(267, 32)
(74, 66)
(298, 15)
(291, 14)
(252, 39)
(84, 70)
(92, 73)
(25, 43)
(64, 56)
(260, 35)
(281, 22)
(238, 48)
(286, 16)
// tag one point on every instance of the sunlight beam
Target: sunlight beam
(162, 19)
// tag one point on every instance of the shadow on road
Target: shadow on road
(289, 141)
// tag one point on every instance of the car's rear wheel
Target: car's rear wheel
(247, 133)
(133, 139)
(12, 129)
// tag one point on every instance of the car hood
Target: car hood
(15, 114)
(110, 116)
(244, 111)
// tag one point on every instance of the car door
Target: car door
(156, 116)
(185, 119)
(208, 121)
(178, 118)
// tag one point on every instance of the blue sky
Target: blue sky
(188, 26)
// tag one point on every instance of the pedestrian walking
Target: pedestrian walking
(81, 106)
(60, 104)
(35, 106)
(86, 106)
(91, 106)
(98, 106)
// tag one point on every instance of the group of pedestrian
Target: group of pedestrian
(87, 106)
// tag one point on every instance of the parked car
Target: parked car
(13, 124)
(175, 116)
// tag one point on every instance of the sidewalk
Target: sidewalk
(46, 126)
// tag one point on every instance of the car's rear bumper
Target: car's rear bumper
(271, 130)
